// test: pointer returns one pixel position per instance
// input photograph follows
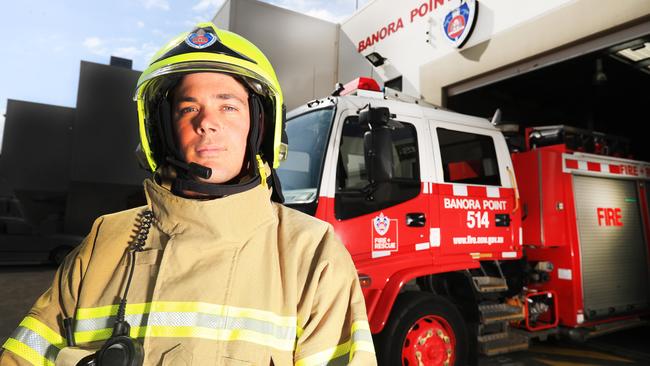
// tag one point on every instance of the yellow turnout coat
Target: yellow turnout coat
(232, 281)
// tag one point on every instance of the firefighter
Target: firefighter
(210, 271)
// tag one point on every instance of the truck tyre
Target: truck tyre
(423, 329)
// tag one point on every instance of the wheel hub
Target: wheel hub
(429, 342)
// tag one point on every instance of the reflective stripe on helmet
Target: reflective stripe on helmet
(191, 319)
(35, 342)
(361, 340)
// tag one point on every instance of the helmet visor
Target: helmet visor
(163, 78)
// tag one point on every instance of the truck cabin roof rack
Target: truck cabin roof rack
(578, 139)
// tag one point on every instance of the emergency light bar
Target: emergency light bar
(361, 83)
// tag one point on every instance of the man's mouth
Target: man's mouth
(210, 150)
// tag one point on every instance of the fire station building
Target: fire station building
(583, 63)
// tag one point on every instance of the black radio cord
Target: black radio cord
(121, 311)
(137, 246)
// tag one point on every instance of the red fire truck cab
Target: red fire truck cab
(429, 203)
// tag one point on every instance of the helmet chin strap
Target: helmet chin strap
(186, 182)
(195, 169)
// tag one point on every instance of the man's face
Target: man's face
(211, 120)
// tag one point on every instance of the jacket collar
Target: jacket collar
(233, 218)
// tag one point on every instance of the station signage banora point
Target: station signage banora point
(457, 23)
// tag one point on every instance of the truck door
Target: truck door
(475, 198)
(388, 220)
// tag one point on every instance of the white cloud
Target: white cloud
(122, 47)
(210, 5)
(95, 45)
(92, 42)
(140, 54)
(126, 40)
(140, 24)
(126, 52)
(197, 19)
(159, 4)
(316, 9)
(148, 50)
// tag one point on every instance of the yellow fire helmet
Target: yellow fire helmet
(209, 49)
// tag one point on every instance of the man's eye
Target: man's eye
(188, 110)
(229, 108)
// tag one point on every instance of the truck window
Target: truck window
(352, 195)
(300, 174)
(468, 158)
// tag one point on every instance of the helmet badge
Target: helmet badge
(200, 39)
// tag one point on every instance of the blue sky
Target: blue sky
(44, 41)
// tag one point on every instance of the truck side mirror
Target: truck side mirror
(374, 116)
(377, 144)
(378, 154)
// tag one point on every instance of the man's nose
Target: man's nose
(208, 122)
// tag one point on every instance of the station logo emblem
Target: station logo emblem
(458, 24)
(200, 39)
(381, 223)
(384, 234)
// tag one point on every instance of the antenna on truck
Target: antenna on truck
(496, 119)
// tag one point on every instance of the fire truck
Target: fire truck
(467, 238)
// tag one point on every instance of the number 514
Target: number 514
(477, 219)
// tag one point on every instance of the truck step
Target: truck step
(492, 313)
(484, 284)
(499, 343)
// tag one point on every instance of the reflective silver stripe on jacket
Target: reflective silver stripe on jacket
(36, 342)
(361, 335)
(361, 340)
(182, 319)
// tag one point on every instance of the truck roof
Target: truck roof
(415, 109)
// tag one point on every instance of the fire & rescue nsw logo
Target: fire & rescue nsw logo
(200, 39)
(458, 24)
(384, 234)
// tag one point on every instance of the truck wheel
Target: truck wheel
(423, 330)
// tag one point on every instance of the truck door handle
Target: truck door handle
(415, 219)
(502, 220)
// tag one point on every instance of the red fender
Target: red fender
(379, 310)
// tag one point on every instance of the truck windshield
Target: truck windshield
(308, 135)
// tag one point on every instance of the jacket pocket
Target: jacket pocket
(147, 256)
(150, 256)
(177, 356)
